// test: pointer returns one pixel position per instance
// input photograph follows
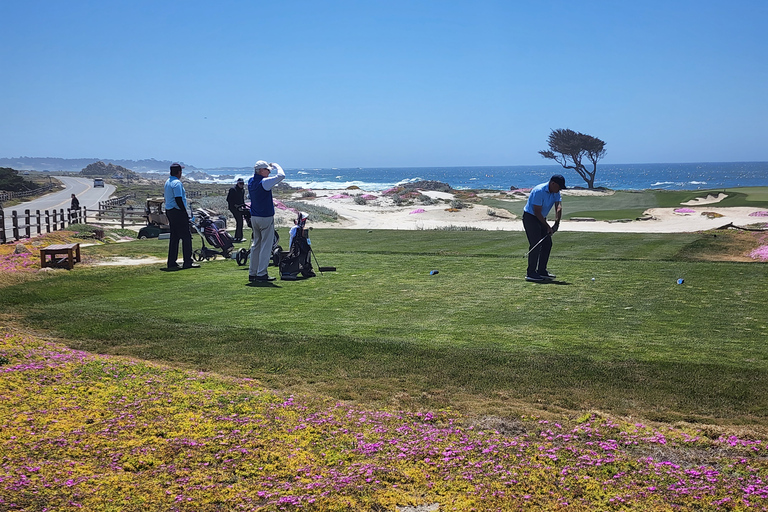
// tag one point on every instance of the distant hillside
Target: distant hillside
(24, 163)
(108, 171)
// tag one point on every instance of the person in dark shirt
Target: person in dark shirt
(74, 210)
(236, 203)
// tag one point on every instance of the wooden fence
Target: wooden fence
(115, 201)
(36, 223)
(7, 196)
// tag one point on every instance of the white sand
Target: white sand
(122, 261)
(710, 199)
(381, 213)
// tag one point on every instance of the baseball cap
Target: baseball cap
(559, 179)
(261, 164)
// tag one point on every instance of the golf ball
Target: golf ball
(593, 278)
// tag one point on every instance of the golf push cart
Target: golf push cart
(213, 232)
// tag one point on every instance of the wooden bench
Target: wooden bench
(61, 255)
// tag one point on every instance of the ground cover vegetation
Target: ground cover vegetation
(87, 432)
(382, 385)
(12, 181)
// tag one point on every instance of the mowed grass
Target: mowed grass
(630, 204)
(614, 333)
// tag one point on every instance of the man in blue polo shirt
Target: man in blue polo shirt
(178, 219)
(541, 200)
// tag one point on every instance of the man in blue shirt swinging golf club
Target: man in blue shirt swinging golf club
(540, 201)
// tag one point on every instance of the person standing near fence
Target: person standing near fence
(236, 204)
(262, 218)
(74, 210)
(178, 219)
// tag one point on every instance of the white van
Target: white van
(98, 182)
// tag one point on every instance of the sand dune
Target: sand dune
(382, 213)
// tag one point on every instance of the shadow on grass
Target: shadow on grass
(371, 371)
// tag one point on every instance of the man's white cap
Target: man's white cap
(261, 164)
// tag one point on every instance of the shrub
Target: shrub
(458, 205)
(425, 199)
(316, 213)
(360, 200)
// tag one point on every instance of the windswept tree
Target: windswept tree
(569, 148)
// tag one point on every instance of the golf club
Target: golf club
(537, 244)
(321, 269)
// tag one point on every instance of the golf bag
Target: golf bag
(298, 259)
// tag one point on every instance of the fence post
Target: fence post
(85, 215)
(47, 222)
(27, 224)
(122, 218)
(55, 220)
(2, 225)
(61, 216)
(15, 222)
(39, 228)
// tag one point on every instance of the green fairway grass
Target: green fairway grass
(476, 336)
(629, 204)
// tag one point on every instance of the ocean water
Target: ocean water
(691, 176)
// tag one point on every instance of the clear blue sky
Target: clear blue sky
(395, 83)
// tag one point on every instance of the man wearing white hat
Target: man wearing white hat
(262, 217)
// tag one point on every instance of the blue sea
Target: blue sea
(691, 176)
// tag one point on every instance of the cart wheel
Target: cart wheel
(198, 255)
(241, 257)
(213, 256)
(142, 237)
(276, 256)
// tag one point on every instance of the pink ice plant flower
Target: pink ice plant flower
(79, 430)
(25, 262)
(761, 253)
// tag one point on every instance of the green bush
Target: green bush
(10, 181)
(316, 213)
